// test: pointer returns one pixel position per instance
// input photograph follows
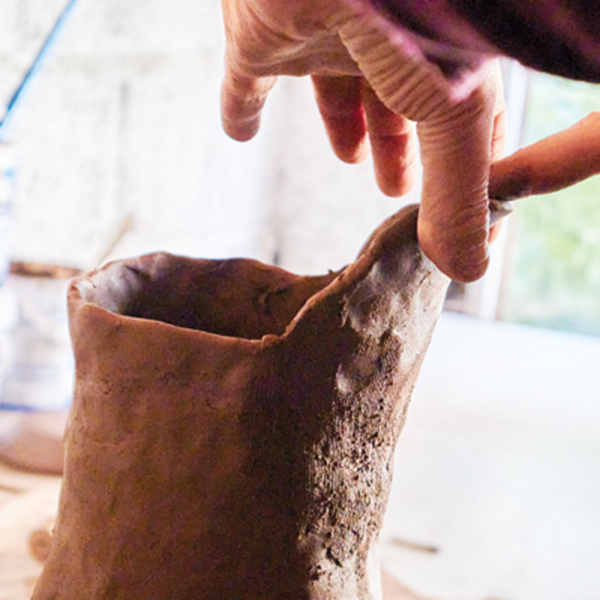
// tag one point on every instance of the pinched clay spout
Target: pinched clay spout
(233, 426)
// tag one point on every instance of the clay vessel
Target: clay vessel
(233, 425)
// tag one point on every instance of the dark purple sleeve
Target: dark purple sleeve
(561, 37)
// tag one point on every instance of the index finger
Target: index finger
(457, 147)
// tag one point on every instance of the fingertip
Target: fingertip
(236, 121)
(468, 271)
(349, 145)
(240, 131)
(459, 258)
(242, 101)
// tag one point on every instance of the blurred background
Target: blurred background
(120, 127)
(115, 148)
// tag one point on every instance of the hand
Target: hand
(371, 83)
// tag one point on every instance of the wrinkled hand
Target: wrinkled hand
(371, 84)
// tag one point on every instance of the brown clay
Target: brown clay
(233, 425)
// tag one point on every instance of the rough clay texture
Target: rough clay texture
(233, 425)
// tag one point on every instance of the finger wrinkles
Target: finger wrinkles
(405, 82)
(461, 254)
(416, 98)
(254, 46)
(455, 238)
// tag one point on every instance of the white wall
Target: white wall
(122, 126)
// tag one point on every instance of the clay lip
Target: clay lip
(238, 298)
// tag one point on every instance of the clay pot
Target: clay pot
(233, 425)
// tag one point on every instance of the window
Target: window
(548, 271)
